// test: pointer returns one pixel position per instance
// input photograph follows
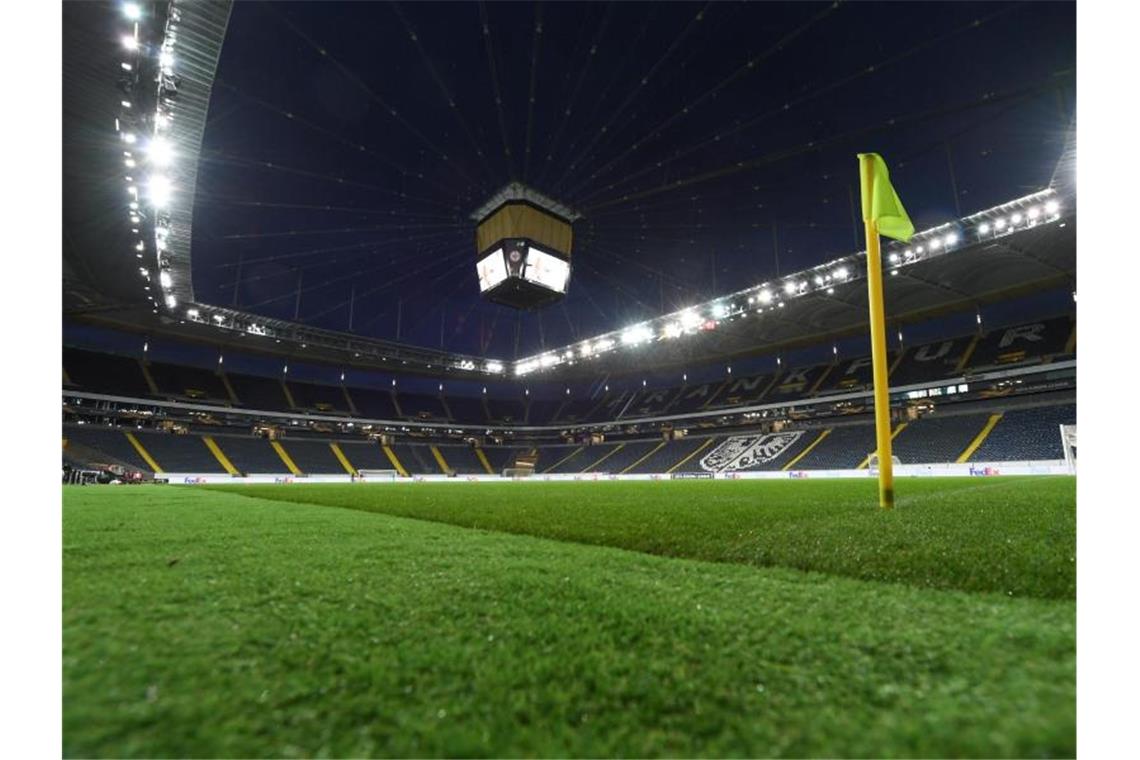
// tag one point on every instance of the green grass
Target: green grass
(1014, 536)
(204, 623)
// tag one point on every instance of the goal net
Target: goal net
(1069, 445)
(873, 462)
(375, 476)
(518, 472)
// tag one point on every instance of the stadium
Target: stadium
(511, 379)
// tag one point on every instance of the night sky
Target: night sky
(347, 143)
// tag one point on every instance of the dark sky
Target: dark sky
(348, 142)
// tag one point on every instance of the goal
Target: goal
(376, 476)
(873, 462)
(517, 472)
(1069, 445)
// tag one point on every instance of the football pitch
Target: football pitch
(744, 618)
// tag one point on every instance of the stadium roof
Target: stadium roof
(710, 149)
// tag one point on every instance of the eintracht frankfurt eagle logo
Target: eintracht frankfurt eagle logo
(742, 452)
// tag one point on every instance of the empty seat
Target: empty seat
(105, 373)
(937, 439)
(1027, 434)
(255, 392)
(180, 453)
(314, 457)
(251, 455)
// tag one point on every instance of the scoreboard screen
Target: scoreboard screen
(492, 270)
(546, 270)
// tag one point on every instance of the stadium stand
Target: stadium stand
(693, 397)
(179, 453)
(752, 452)
(509, 411)
(327, 399)
(105, 373)
(259, 392)
(467, 410)
(1024, 434)
(541, 412)
(576, 409)
(374, 404)
(651, 402)
(851, 374)
(365, 455)
(844, 448)
(930, 362)
(417, 459)
(462, 460)
(419, 406)
(111, 442)
(251, 455)
(562, 459)
(615, 406)
(594, 458)
(798, 382)
(626, 455)
(741, 391)
(500, 457)
(937, 438)
(1022, 344)
(314, 457)
(188, 382)
(665, 457)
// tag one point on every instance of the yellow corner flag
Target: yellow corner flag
(883, 213)
(880, 201)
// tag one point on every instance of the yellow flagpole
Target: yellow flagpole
(878, 343)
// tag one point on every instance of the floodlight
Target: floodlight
(171, 301)
(950, 239)
(132, 11)
(830, 291)
(192, 313)
(1033, 213)
(140, 246)
(1000, 224)
(935, 244)
(983, 228)
(840, 273)
(818, 280)
(1015, 219)
(690, 321)
(672, 330)
(764, 296)
(166, 59)
(160, 190)
(894, 258)
(130, 42)
(160, 152)
(494, 367)
(129, 138)
(603, 345)
(637, 334)
(790, 288)
(719, 310)
(164, 279)
(1052, 207)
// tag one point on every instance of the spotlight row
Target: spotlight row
(143, 125)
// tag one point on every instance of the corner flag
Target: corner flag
(883, 213)
(881, 203)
